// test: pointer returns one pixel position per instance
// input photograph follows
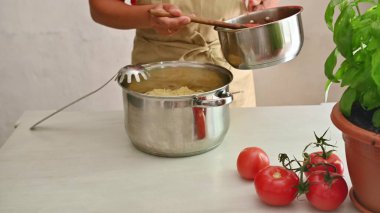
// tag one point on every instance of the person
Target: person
(176, 38)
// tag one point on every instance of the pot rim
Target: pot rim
(181, 97)
(178, 97)
(221, 29)
(363, 135)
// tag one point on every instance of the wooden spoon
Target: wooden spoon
(160, 13)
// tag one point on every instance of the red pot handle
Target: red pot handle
(200, 122)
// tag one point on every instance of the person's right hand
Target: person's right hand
(168, 25)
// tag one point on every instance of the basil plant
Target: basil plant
(356, 34)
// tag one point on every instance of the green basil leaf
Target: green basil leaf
(371, 99)
(329, 13)
(376, 118)
(350, 75)
(361, 32)
(330, 66)
(375, 71)
(365, 1)
(343, 32)
(373, 45)
(343, 4)
(375, 29)
(360, 56)
(363, 80)
(346, 101)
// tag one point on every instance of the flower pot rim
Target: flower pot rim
(356, 202)
(363, 135)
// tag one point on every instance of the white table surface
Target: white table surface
(84, 162)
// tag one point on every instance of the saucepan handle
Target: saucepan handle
(224, 98)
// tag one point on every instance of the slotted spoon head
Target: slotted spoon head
(132, 71)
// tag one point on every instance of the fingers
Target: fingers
(169, 25)
(172, 9)
(270, 3)
(257, 2)
(254, 5)
(259, 7)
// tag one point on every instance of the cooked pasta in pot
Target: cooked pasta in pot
(173, 92)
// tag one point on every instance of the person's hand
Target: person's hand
(168, 25)
(254, 5)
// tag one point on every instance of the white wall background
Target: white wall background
(51, 52)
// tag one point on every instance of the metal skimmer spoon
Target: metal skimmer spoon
(129, 71)
(132, 71)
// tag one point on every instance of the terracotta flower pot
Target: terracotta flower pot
(363, 162)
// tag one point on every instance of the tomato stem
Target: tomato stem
(322, 143)
(304, 166)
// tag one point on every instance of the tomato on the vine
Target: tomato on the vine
(276, 185)
(318, 162)
(326, 190)
(250, 161)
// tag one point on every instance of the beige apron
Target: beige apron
(196, 42)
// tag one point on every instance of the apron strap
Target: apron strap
(205, 47)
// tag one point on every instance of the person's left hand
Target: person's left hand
(254, 5)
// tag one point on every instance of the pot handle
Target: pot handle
(224, 98)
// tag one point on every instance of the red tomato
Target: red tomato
(250, 161)
(334, 160)
(326, 192)
(276, 185)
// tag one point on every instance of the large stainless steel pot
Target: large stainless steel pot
(177, 126)
(278, 39)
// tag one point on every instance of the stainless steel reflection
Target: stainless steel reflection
(181, 125)
(278, 39)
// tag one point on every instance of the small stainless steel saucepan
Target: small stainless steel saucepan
(278, 38)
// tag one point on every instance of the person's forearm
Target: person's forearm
(117, 14)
